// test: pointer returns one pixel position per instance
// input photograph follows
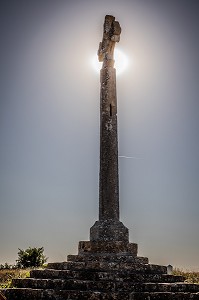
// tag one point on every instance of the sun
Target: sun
(121, 62)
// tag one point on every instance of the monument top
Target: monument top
(111, 35)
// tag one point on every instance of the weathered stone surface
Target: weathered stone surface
(163, 296)
(34, 294)
(109, 177)
(107, 247)
(113, 265)
(101, 279)
(27, 294)
(111, 35)
(105, 285)
(109, 230)
(108, 258)
(109, 276)
(116, 275)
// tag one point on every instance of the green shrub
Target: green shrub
(31, 257)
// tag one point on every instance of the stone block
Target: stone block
(110, 247)
(109, 230)
(57, 265)
(133, 248)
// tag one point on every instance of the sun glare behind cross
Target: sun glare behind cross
(121, 62)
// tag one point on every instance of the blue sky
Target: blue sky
(49, 126)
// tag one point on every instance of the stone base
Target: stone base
(109, 230)
(109, 277)
(108, 248)
(103, 270)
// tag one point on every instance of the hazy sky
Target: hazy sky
(49, 126)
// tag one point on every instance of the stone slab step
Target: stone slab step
(126, 275)
(35, 294)
(101, 265)
(112, 286)
(108, 258)
(164, 296)
(65, 284)
(166, 287)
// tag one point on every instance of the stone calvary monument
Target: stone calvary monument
(106, 267)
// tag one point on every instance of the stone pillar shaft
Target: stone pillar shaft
(109, 178)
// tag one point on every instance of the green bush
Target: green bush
(31, 257)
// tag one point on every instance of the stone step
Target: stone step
(63, 284)
(164, 296)
(102, 265)
(111, 286)
(167, 287)
(108, 258)
(35, 294)
(120, 275)
(38, 294)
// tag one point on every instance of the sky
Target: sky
(49, 126)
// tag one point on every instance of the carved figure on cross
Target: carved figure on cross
(111, 35)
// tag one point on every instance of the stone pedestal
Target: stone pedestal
(93, 275)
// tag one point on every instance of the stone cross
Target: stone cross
(108, 227)
(109, 179)
(111, 35)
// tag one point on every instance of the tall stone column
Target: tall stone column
(108, 228)
(108, 177)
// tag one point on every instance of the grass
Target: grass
(190, 276)
(6, 276)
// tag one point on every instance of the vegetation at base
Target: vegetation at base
(6, 266)
(31, 257)
(27, 259)
(6, 276)
(190, 276)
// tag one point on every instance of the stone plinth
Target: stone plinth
(110, 248)
(109, 230)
